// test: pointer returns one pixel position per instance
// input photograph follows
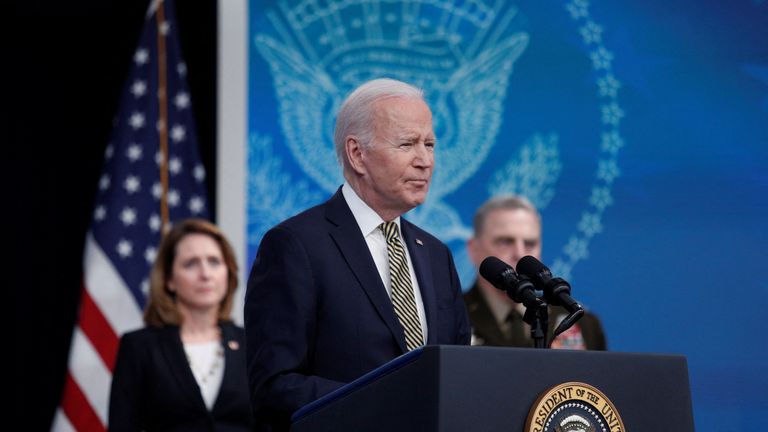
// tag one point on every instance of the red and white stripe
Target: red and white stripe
(107, 310)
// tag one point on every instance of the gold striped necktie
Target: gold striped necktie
(402, 288)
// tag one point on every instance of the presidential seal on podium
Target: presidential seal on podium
(573, 407)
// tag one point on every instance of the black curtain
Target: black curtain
(67, 62)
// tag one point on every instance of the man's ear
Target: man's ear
(472, 251)
(354, 150)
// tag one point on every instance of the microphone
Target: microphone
(518, 287)
(556, 290)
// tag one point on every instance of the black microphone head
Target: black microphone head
(553, 288)
(503, 276)
(493, 269)
(532, 267)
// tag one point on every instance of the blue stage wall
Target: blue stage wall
(639, 128)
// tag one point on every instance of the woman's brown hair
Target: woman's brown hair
(161, 309)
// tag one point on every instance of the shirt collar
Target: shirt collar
(367, 219)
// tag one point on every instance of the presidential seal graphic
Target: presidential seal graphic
(523, 96)
(573, 407)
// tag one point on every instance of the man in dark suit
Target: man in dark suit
(346, 286)
(509, 228)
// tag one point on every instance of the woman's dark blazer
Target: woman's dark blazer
(153, 388)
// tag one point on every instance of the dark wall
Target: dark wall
(67, 64)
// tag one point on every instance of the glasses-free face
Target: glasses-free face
(508, 235)
(199, 273)
(397, 166)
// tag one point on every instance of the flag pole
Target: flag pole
(162, 98)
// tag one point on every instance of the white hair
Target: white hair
(356, 115)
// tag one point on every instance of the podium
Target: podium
(460, 388)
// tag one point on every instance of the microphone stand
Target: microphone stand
(538, 318)
(567, 322)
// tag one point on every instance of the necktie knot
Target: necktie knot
(390, 230)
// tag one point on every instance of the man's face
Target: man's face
(508, 235)
(397, 166)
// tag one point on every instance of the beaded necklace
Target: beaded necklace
(200, 373)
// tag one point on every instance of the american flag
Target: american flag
(152, 175)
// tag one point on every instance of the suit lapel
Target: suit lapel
(173, 351)
(232, 373)
(420, 256)
(346, 234)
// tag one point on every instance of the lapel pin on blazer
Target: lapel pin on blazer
(233, 345)
(419, 242)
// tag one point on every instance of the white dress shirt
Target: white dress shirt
(369, 222)
(206, 359)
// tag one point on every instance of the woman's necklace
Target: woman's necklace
(200, 372)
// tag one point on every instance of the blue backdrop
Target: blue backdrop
(639, 128)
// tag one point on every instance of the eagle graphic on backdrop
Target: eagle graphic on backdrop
(461, 53)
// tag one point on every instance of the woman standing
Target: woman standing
(186, 369)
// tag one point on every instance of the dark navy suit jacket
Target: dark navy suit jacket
(153, 388)
(317, 314)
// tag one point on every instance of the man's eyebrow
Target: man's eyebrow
(414, 136)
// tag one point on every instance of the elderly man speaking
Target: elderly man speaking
(348, 285)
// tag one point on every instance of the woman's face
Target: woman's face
(199, 274)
